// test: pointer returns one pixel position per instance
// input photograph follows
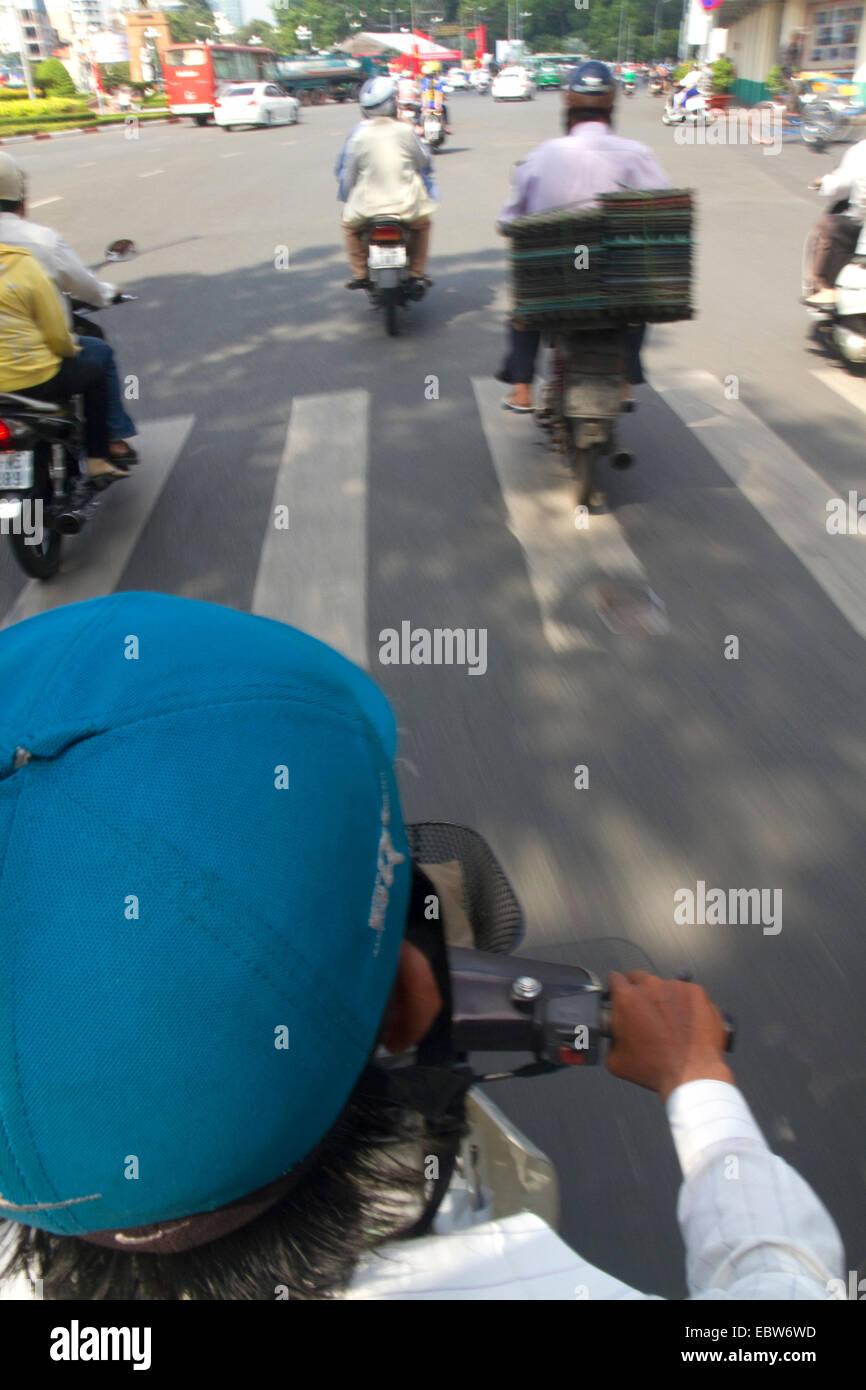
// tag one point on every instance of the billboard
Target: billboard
(108, 47)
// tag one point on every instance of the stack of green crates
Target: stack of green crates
(627, 260)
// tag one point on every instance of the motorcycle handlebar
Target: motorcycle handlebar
(559, 1013)
(80, 306)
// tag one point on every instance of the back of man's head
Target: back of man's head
(202, 804)
(13, 185)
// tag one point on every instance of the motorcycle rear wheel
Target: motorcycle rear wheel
(40, 561)
(390, 306)
(582, 463)
(818, 127)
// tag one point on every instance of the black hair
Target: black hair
(6, 205)
(364, 1191)
(575, 115)
(367, 1186)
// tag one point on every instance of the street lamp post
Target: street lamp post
(22, 51)
(391, 14)
(684, 30)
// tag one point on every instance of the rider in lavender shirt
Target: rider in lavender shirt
(571, 171)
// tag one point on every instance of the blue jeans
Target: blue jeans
(120, 426)
(91, 373)
(523, 345)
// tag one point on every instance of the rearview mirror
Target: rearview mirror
(122, 250)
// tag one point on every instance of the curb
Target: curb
(84, 130)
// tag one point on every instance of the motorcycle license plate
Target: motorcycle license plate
(589, 396)
(16, 470)
(387, 257)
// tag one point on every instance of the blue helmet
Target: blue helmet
(590, 85)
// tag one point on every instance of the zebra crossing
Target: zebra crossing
(93, 568)
(313, 560)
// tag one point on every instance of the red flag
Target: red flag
(416, 61)
(480, 37)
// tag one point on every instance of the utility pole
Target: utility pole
(22, 51)
(684, 30)
(621, 25)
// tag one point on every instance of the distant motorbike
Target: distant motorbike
(45, 493)
(390, 287)
(842, 324)
(628, 89)
(433, 130)
(583, 401)
(693, 111)
(655, 87)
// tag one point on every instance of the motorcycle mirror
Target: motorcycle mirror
(121, 250)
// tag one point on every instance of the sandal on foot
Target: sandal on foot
(128, 456)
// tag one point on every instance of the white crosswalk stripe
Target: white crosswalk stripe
(539, 496)
(94, 561)
(838, 380)
(314, 575)
(790, 496)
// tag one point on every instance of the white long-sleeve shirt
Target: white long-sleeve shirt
(575, 168)
(753, 1229)
(58, 260)
(849, 181)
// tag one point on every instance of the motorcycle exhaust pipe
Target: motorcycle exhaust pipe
(69, 522)
(623, 458)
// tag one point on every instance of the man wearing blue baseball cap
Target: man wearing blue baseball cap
(209, 926)
(204, 892)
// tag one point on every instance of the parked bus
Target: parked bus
(194, 73)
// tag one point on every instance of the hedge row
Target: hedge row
(64, 103)
(84, 117)
(10, 128)
(40, 109)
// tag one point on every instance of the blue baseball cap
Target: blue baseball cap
(204, 880)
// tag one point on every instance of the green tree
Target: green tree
(53, 80)
(257, 29)
(724, 75)
(194, 20)
(113, 75)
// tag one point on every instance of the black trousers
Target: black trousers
(82, 375)
(836, 236)
(523, 343)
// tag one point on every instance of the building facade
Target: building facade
(75, 17)
(36, 33)
(830, 36)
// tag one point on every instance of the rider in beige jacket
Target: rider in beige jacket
(384, 170)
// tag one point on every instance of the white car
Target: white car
(458, 80)
(254, 103)
(513, 84)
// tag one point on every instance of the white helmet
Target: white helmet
(13, 180)
(379, 97)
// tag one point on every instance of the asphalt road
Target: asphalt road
(260, 385)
